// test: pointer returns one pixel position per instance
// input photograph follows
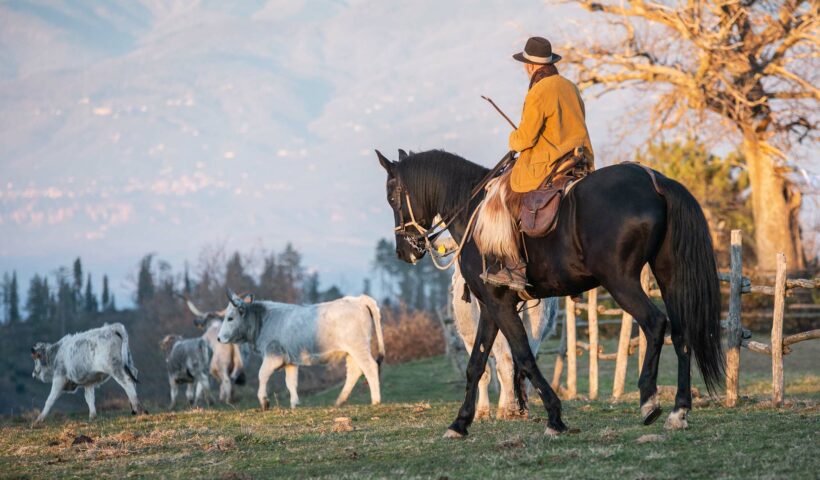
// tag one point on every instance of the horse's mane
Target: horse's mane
(439, 177)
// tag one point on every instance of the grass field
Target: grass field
(402, 437)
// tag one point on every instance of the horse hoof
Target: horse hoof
(676, 420)
(650, 418)
(651, 410)
(482, 414)
(452, 434)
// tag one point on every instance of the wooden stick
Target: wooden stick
(733, 331)
(622, 356)
(593, 344)
(799, 337)
(777, 331)
(572, 364)
(556, 373)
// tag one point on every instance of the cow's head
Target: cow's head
(408, 246)
(202, 319)
(236, 326)
(41, 353)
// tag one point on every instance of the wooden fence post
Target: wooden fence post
(622, 357)
(572, 365)
(733, 330)
(592, 316)
(777, 331)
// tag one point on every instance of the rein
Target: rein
(429, 235)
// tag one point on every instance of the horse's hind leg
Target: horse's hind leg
(631, 297)
(485, 336)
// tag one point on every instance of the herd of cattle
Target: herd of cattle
(286, 336)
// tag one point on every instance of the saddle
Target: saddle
(538, 214)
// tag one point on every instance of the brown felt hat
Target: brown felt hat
(537, 51)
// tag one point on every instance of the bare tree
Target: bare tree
(751, 65)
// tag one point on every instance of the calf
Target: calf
(227, 364)
(292, 335)
(539, 321)
(187, 360)
(86, 359)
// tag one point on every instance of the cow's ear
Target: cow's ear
(389, 166)
(34, 353)
(402, 155)
(248, 298)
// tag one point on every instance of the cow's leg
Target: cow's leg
(353, 374)
(89, 399)
(225, 387)
(505, 372)
(189, 393)
(370, 368)
(130, 388)
(203, 389)
(483, 406)
(57, 385)
(292, 382)
(270, 364)
(174, 392)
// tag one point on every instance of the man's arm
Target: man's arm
(532, 121)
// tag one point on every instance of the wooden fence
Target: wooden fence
(736, 335)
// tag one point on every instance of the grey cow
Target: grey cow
(227, 363)
(292, 335)
(86, 359)
(187, 360)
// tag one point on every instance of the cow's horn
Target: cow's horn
(193, 308)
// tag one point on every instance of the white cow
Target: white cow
(86, 359)
(292, 335)
(227, 364)
(187, 360)
(539, 321)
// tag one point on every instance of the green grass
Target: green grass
(402, 437)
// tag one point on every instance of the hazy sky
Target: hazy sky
(164, 126)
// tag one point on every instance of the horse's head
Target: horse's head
(408, 211)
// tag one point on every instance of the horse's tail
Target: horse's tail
(376, 315)
(692, 289)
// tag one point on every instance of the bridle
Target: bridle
(425, 237)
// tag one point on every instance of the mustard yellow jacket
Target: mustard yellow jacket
(552, 124)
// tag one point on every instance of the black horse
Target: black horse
(609, 226)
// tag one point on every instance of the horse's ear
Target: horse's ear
(385, 163)
(402, 155)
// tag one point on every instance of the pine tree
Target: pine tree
(145, 281)
(105, 299)
(14, 300)
(310, 292)
(37, 301)
(78, 283)
(4, 298)
(187, 286)
(90, 302)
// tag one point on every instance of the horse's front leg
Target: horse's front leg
(512, 328)
(485, 336)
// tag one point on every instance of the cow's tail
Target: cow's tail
(376, 315)
(127, 361)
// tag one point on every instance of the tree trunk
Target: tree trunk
(773, 208)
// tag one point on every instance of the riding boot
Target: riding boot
(513, 277)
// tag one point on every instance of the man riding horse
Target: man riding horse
(552, 139)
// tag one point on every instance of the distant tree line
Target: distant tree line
(56, 306)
